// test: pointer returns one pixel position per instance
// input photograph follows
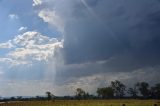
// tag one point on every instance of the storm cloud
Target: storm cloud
(115, 28)
(102, 36)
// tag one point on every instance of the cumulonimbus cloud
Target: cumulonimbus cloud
(124, 37)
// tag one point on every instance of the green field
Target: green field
(86, 103)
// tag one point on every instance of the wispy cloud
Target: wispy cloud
(22, 29)
(13, 16)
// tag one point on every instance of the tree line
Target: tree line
(116, 90)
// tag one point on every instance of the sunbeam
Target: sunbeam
(89, 9)
(107, 28)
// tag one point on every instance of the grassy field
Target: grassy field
(86, 103)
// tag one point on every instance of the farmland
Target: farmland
(85, 103)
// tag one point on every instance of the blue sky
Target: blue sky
(60, 45)
(26, 17)
(16, 18)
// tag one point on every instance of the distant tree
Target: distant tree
(119, 88)
(12, 98)
(38, 97)
(155, 91)
(106, 92)
(86, 95)
(133, 92)
(143, 87)
(100, 92)
(109, 92)
(80, 93)
(49, 95)
(19, 97)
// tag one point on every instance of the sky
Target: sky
(61, 45)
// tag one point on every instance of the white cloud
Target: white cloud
(33, 38)
(22, 29)
(6, 45)
(52, 18)
(13, 16)
(34, 46)
(37, 2)
(30, 46)
(9, 62)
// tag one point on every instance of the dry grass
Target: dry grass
(85, 103)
